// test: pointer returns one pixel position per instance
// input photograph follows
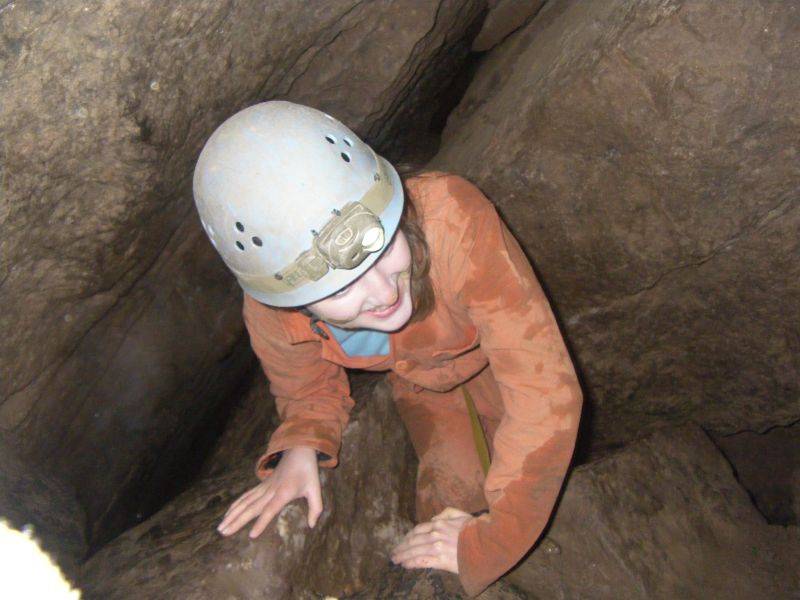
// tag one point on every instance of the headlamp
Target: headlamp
(347, 238)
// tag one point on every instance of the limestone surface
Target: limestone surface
(663, 518)
(646, 156)
(367, 503)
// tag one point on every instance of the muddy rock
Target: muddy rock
(367, 499)
(646, 156)
(663, 518)
(121, 328)
(430, 584)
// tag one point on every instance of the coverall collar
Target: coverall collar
(299, 330)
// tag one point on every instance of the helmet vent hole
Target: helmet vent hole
(330, 138)
(345, 157)
(348, 142)
(257, 241)
(240, 245)
(239, 226)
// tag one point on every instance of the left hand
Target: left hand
(433, 545)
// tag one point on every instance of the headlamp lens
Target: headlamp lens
(372, 239)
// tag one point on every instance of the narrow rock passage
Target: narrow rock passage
(644, 154)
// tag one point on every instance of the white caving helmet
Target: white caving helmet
(294, 202)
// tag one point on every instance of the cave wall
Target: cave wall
(646, 156)
(663, 517)
(121, 328)
(367, 505)
(644, 153)
(768, 467)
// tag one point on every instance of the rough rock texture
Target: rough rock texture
(768, 466)
(120, 326)
(503, 18)
(664, 518)
(367, 503)
(34, 501)
(645, 152)
(246, 430)
(646, 155)
(428, 584)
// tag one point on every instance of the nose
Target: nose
(381, 288)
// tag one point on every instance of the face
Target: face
(379, 299)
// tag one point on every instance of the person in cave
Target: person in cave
(344, 265)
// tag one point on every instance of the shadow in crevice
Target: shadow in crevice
(139, 501)
(767, 465)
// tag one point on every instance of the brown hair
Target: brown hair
(423, 298)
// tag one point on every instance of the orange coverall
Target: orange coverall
(492, 330)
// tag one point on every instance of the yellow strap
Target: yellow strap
(477, 432)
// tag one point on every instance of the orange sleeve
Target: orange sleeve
(541, 396)
(312, 395)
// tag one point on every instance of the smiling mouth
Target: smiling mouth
(403, 278)
(388, 310)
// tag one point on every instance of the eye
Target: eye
(342, 292)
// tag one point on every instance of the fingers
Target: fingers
(272, 508)
(314, 498)
(429, 526)
(245, 512)
(423, 562)
(450, 513)
(433, 544)
(296, 478)
(420, 539)
(236, 507)
(425, 527)
(428, 553)
(243, 498)
(431, 549)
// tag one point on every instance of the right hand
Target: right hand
(296, 476)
